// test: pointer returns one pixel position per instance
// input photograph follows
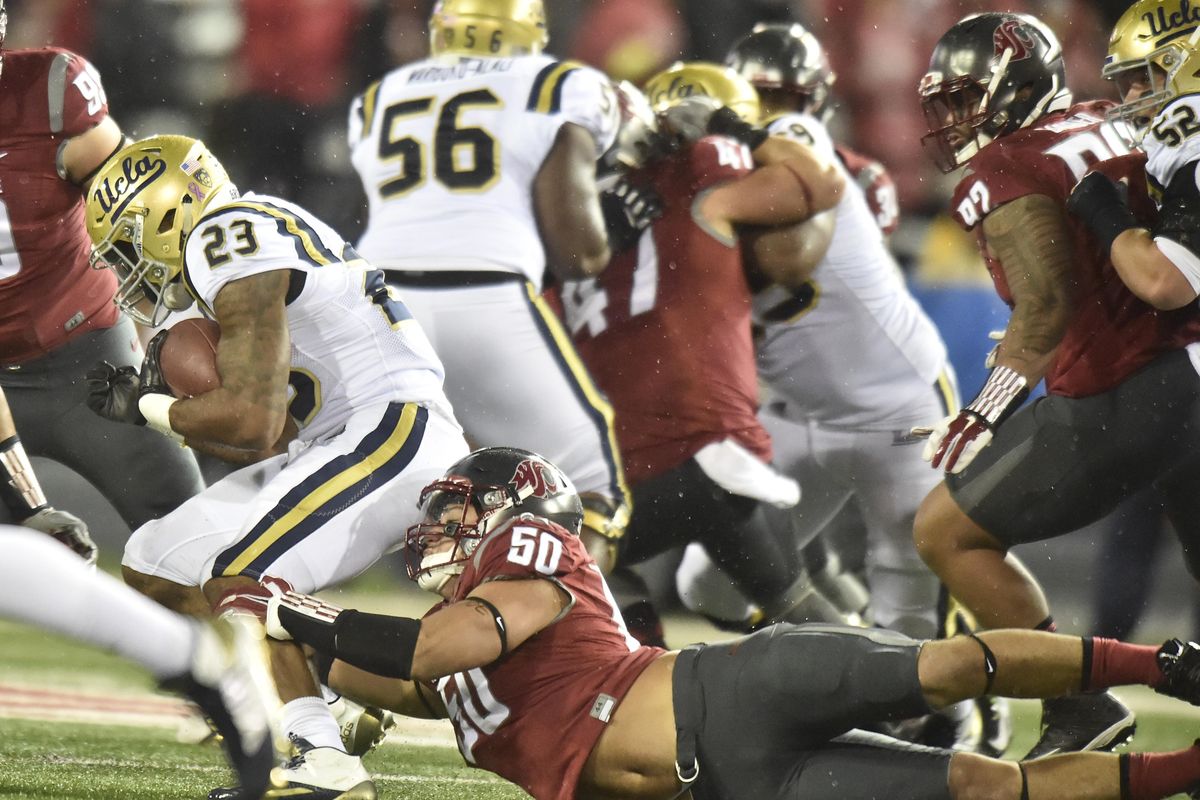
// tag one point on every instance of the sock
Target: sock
(43, 583)
(309, 718)
(1108, 662)
(1153, 776)
(1048, 625)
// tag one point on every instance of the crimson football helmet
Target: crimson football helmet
(475, 495)
(989, 75)
(638, 141)
(786, 57)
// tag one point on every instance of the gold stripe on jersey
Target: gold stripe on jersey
(310, 245)
(322, 495)
(583, 381)
(367, 111)
(546, 95)
(947, 392)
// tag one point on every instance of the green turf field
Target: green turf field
(73, 760)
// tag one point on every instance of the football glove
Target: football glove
(113, 393)
(628, 210)
(956, 440)
(1100, 203)
(687, 121)
(66, 528)
(151, 375)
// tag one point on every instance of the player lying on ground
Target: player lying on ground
(532, 663)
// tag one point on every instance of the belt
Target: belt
(450, 279)
(688, 701)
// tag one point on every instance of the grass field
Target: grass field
(43, 677)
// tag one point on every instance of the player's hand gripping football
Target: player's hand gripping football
(628, 210)
(114, 392)
(954, 442)
(66, 528)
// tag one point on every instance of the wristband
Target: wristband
(726, 122)
(1003, 392)
(156, 408)
(1107, 224)
(376, 643)
(19, 487)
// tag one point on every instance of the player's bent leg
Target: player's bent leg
(975, 566)
(175, 596)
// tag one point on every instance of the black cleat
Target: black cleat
(230, 680)
(1083, 722)
(1180, 665)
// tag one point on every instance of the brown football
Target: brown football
(189, 357)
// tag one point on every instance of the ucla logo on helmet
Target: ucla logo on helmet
(1161, 22)
(677, 89)
(536, 477)
(136, 175)
(1015, 36)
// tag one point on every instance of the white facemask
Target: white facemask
(435, 572)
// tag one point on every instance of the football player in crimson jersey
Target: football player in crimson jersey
(1123, 397)
(56, 314)
(529, 658)
(665, 332)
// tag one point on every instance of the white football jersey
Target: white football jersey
(353, 342)
(1172, 140)
(852, 348)
(448, 149)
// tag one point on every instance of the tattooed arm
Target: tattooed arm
(1030, 239)
(249, 409)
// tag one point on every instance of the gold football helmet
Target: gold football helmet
(140, 209)
(488, 27)
(700, 79)
(1147, 53)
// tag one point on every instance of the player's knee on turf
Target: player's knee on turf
(975, 777)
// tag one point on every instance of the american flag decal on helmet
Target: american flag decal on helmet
(533, 479)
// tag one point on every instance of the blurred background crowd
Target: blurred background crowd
(267, 84)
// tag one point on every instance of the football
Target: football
(189, 357)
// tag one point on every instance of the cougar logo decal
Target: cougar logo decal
(534, 476)
(1013, 35)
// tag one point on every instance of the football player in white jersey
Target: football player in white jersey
(1158, 85)
(330, 395)
(842, 404)
(479, 168)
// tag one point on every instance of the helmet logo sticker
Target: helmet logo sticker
(1161, 22)
(135, 176)
(1013, 35)
(676, 89)
(532, 478)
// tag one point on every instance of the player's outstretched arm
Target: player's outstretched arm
(493, 620)
(567, 205)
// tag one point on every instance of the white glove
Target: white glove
(687, 120)
(66, 528)
(970, 434)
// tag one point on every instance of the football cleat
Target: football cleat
(996, 713)
(1180, 665)
(230, 680)
(315, 773)
(363, 727)
(1083, 722)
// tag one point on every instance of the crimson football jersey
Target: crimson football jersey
(534, 716)
(48, 293)
(1111, 333)
(665, 329)
(876, 184)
